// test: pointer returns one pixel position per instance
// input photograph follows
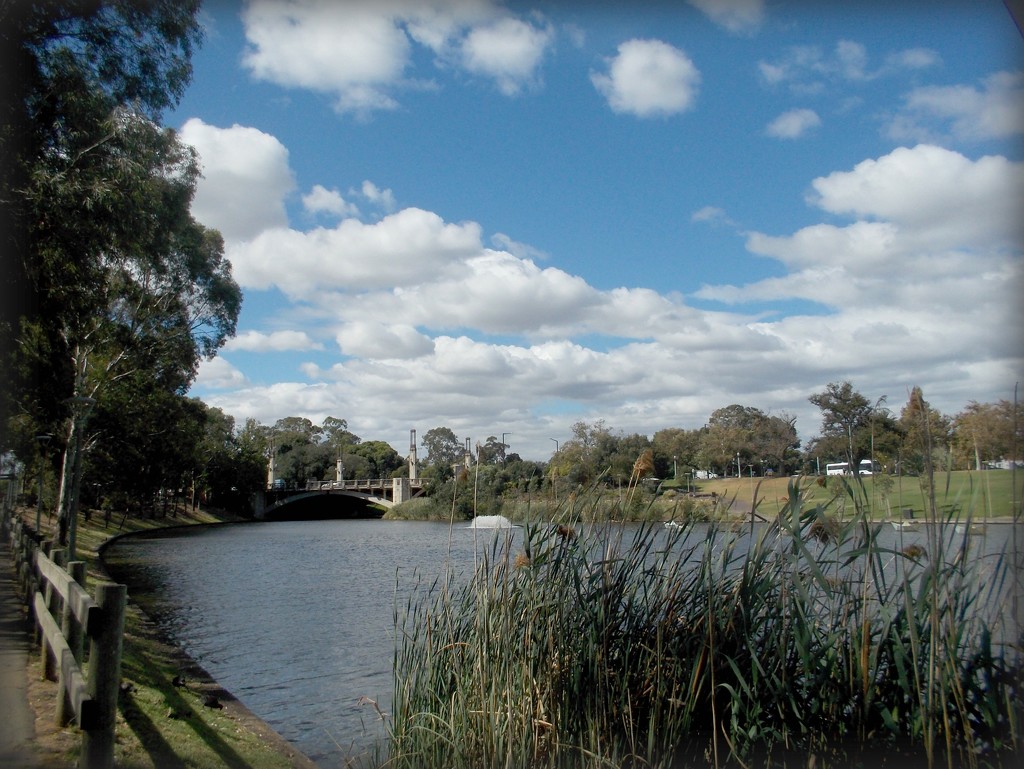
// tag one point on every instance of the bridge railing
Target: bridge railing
(361, 484)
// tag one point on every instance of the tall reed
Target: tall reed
(711, 645)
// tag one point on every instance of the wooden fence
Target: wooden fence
(66, 617)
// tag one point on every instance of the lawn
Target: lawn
(987, 494)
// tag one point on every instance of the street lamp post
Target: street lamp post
(556, 444)
(43, 441)
(739, 472)
(503, 445)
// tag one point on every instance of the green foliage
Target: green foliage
(986, 431)
(305, 452)
(852, 428)
(442, 447)
(65, 66)
(748, 435)
(416, 509)
(117, 292)
(382, 460)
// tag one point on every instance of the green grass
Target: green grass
(812, 646)
(987, 494)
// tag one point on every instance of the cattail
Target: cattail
(644, 465)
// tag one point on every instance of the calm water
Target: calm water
(296, 618)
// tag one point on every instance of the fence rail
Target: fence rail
(66, 616)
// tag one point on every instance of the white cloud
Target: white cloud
(713, 215)
(401, 249)
(383, 199)
(793, 124)
(994, 110)
(912, 59)
(378, 340)
(852, 60)
(936, 195)
(508, 50)
(322, 200)
(438, 24)
(708, 214)
(739, 16)
(218, 374)
(363, 53)
(943, 251)
(493, 292)
(810, 69)
(918, 283)
(517, 249)
(245, 179)
(276, 341)
(349, 50)
(649, 78)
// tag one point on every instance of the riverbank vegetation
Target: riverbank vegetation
(800, 643)
(486, 491)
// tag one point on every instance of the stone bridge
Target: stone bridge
(385, 492)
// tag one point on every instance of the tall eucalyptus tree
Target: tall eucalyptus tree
(118, 280)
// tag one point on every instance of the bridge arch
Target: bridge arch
(323, 505)
(315, 498)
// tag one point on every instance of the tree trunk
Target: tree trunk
(66, 483)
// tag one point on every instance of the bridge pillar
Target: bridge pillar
(413, 464)
(401, 490)
(259, 503)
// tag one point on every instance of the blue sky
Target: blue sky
(507, 218)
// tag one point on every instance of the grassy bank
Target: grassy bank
(575, 505)
(987, 494)
(161, 723)
(811, 645)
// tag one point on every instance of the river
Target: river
(296, 619)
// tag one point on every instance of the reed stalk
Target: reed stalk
(800, 640)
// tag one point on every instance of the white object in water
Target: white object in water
(906, 525)
(490, 522)
(972, 529)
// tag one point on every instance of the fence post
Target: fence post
(71, 629)
(48, 659)
(29, 579)
(26, 551)
(104, 677)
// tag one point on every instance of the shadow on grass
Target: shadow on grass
(153, 742)
(152, 670)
